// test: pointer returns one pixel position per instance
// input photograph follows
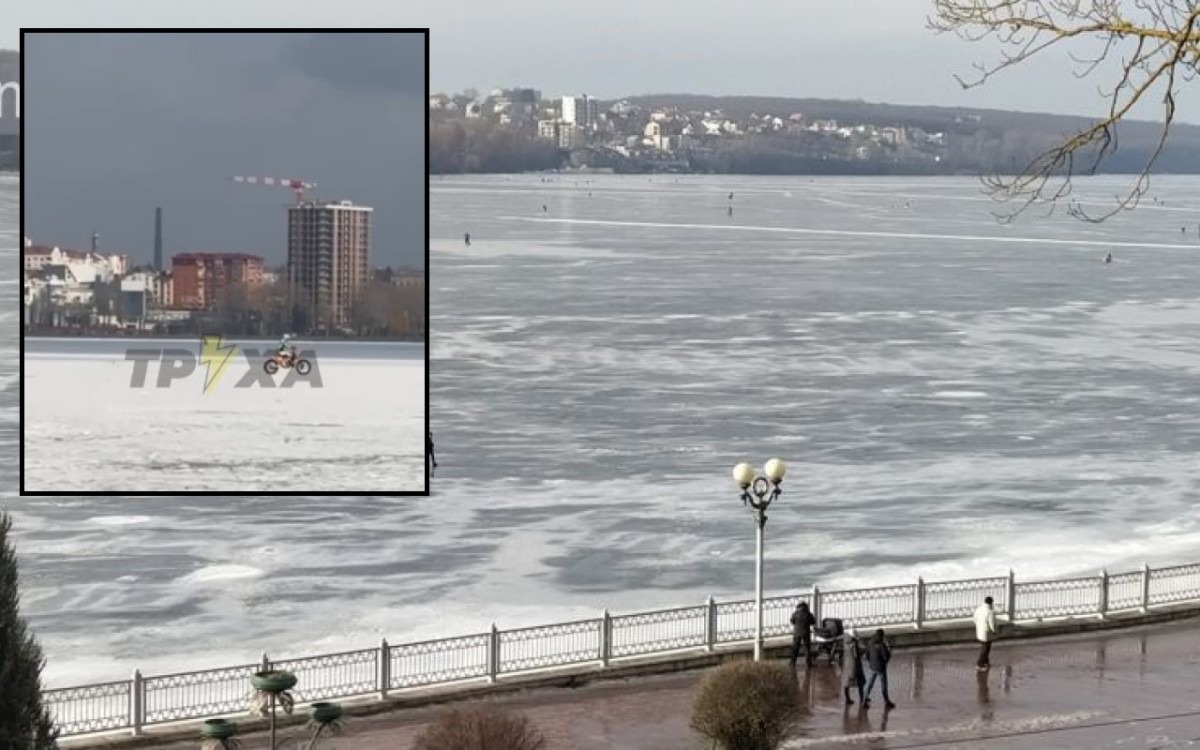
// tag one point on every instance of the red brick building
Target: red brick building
(199, 278)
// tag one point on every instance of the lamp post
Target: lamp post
(758, 492)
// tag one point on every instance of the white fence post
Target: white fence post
(816, 604)
(1103, 593)
(919, 603)
(605, 638)
(1012, 596)
(710, 626)
(137, 708)
(1145, 587)
(493, 660)
(385, 668)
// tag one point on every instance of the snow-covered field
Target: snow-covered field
(352, 425)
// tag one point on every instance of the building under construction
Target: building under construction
(328, 258)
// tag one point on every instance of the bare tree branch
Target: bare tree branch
(1155, 43)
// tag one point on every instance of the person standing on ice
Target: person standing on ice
(429, 446)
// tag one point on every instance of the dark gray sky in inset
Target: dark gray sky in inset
(876, 50)
(117, 124)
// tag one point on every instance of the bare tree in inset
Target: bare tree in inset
(1151, 47)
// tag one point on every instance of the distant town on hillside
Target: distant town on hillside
(328, 287)
(517, 129)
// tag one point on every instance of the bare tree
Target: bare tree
(1148, 45)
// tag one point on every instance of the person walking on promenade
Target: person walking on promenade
(985, 633)
(852, 666)
(878, 656)
(802, 625)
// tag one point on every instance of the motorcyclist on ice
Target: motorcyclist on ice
(287, 350)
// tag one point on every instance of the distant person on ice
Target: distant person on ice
(985, 633)
(429, 446)
(1108, 258)
(467, 239)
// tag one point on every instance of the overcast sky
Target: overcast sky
(877, 50)
(117, 124)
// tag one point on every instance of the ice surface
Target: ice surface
(353, 425)
(592, 385)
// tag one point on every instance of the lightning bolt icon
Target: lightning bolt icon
(216, 358)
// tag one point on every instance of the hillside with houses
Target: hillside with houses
(511, 130)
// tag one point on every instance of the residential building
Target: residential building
(570, 136)
(135, 299)
(87, 266)
(548, 129)
(408, 277)
(515, 106)
(158, 287)
(329, 257)
(654, 137)
(580, 111)
(199, 278)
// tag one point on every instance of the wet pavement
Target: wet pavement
(1137, 688)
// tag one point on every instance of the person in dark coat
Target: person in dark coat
(802, 625)
(852, 666)
(878, 656)
(429, 446)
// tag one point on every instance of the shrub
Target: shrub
(480, 728)
(746, 705)
(24, 722)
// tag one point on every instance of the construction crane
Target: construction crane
(298, 186)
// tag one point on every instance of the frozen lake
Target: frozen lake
(954, 397)
(356, 423)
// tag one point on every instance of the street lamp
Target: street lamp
(758, 492)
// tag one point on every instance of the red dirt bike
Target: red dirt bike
(285, 360)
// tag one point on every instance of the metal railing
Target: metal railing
(387, 669)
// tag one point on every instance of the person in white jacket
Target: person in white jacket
(985, 633)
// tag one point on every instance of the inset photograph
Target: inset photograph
(224, 260)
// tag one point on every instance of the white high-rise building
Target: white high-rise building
(579, 110)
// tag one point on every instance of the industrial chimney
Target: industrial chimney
(158, 264)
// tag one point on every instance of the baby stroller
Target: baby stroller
(828, 639)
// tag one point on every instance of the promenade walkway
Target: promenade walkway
(1135, 688)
